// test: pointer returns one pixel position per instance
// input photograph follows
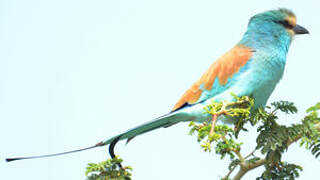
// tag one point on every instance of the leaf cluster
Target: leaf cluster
(312, 120)
(108, 170)
(272, 141)
(283, 171)
(223, 135)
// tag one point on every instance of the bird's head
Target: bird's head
(275, 26)
(282, 20)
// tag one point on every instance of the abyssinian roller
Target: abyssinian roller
(253, 67)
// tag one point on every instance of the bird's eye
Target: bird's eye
(286, 24)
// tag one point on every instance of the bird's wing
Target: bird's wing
(217, 78)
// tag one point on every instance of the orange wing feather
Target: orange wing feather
(223, 69)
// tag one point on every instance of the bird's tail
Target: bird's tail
(163, 121)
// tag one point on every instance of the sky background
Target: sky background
(75, 72)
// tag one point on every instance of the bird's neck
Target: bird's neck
(271, 48)
(267, 39)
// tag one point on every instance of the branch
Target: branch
(245, 167)
(240, 157)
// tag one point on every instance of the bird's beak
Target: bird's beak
(300, 30)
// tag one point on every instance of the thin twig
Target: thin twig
(250, 154)
(213, 124)
(229, 173)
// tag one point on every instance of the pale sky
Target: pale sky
(75, 72)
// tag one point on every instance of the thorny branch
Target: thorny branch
(247, 166)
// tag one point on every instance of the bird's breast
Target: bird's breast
(265, 74)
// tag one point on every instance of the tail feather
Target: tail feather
(163, 121)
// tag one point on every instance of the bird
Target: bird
(253, 67)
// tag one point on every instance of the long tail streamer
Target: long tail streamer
(56, 154)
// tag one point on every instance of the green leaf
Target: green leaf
(314, 108)
(108, 169)
(285, 106)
